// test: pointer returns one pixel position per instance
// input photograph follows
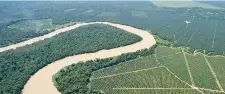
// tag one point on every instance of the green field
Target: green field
(175, 63)
(200, 72)
(34, 25)
(173, 75)
(18, 65)
(130, 66)
(218, 64)
(146, 78)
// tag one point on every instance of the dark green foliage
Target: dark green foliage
(10, 36)
(168, 23)
(74, 79)
(18, 65)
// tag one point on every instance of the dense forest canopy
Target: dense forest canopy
(16, 66)
(168, 71)
(145, 15)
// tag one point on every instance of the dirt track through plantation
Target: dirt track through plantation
(41, 82)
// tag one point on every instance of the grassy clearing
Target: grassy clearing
(161, 41)
(163, 51)
(139, 14)
(34, 25)
(108, 14)
(25, 29)
(38, 26)
(137, 64)
(201, 73)
(184, 4)
(154, 78)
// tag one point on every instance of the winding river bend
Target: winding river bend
(41, 82)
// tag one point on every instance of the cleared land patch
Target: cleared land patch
(184, 4)
(163, 51)
(158, 77)
(108, 14)
(137, 64)
(25, 29)
(139, 14)
(33, 25)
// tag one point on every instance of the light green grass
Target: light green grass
(163, 51)
(152, 78)
(38, 26)
(139, 14)
(158, 91)
(201, 73)
(108, 14)
(137, 64)
(161, 41)
(184, 4)
(218, 65)
(33, 25)
(176, 64)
